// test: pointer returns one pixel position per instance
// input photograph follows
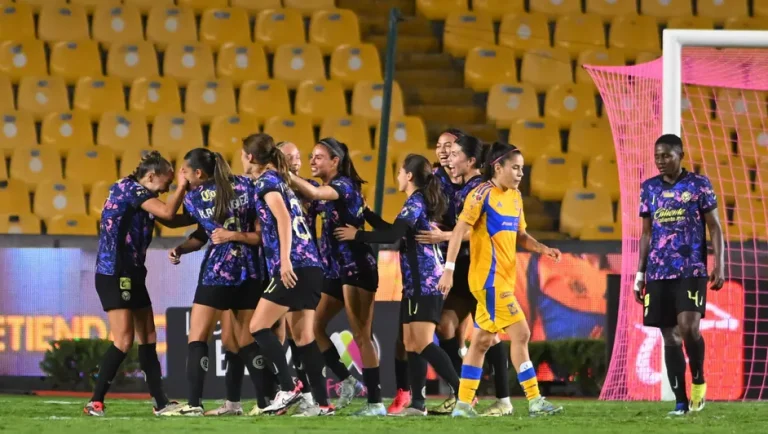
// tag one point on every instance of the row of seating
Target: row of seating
(306, 7)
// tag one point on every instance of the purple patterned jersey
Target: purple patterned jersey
(448, 220)
(311, 209)
(228, 264)
(125, 229)
(344, 258)
(678, 239)
(304, 251)
(458, 205)
(423, 260)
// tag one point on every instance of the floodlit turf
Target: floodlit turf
(64, 415)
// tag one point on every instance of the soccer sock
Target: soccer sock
(197, 367)
(498, 359)
(526, 376)
(401, 374)
(254, 363)
(273, 351)
(372, 382)
(417, 371)
(470, 381)
(333, 362)
(299, 365)
(452, 348)
(440, 361)
(695, 351)
(153, 375)
(108, 367)
(233, 379)
(675, 361)
(309, 355)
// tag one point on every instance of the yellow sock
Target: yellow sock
(527, 378)
(470, 381)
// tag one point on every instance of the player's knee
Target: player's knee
(689, 331)
(303, 337)
(148, 337)
(445, 330)
(671, 337)
(520, 337)
(124, 342)
(482, 344)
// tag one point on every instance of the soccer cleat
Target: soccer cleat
(184, 410)
(445, 408)
(350, 388)
(498, 408)
(94, 408)
(411, 412)
(401, 402)
(462, 409)
(283, 401)
(315, 410)
(681, 409)
(256, 411)
(541, 407)
(370, 409)
(228, 409)
(305, 403)
(168, 407)
(698, 397)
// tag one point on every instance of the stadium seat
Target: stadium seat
(647, 56)
(262, 100)
(392, 204)
(3, 171)
(168, 24)
(466, 30)
(14, 197)
(706, 144)
(276, 27)
(663, 11)
(18, 59)
(66, 131)
(91, 5)
(438, 10)
(131, 159)
(35, 164)
(497, 9)
(241, 62)
(71, 224)
(486, 66)
(591, 138)
(746, 23)
(352, 130)
(634, 34)
(407, 134)
(26, 224)
(580, 32)
(152, 96)
(601, 232)
(145, 6)
(62, 23)
(752, 144)
(219, 26)
(185, 62)
(201, 5)
(737, 107)
(523, 32)
(131, 61)
(353, 63)
(330, 28)
(296, 63)
(72, 60)
(544, 68)
(96, 96)
(551, 177)
(58, 197)
(90, 166)
(227, 132)
(760, 8)
(366, 163)
(609, 9)
(308, 7)
(367, 100)
(567, 103)
(121, 131)
(176, 134)
(554, 8)
(42, 95)
(320, 99)
(253, 7)
(6, 94)
(603, 174)
(509, 102)
(691, 23)
(99, 195)
(16, 22)
(207, 99)
(721, 10)
(600, 57)
(296, 129)
(536, 138)
(728, 180)
(18, 130)
(696, 103)
(584, 207)
(117, 24)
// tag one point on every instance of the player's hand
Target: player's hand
(639, 287)
(181, 181)
(221, 236)
(717, 278)
(552, 253)
(174, 255)
(287, 275)
(345, 233)
(434, 236)
(446, 282)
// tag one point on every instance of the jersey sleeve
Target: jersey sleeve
(474, 206)
(707, 196)
(522, 224)
(267, 184)
(137, 194)
(645, 201)
(343, 188)
(413, 208)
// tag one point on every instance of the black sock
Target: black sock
(675, 361)
(452, 348)
(275, 357)
(254, 363)
(401, 374)
(300, 367)
(417, 371)
(108, 367)
(498, 359)
(695, 351)
(333, 362)
(373, 384)
(197, 367)
(233, 379)
(270, 382)
(440, 361)
(153, 374)
(309, 355)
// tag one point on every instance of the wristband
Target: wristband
(639, 277)
(450, 265)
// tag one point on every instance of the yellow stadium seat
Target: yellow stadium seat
(296, 63)
(72, 60)
(6, 94)
(168, 24)
(253, 7)
(601, 232)
(647, 57)
(696, 103)
(26, 224)
(584, 207)
(721, 10)
(62, 23)
(580, 32)
(601, 57)
(96, 96)
(14, 197)
(663, 11)
(89, 166)
(438, 10)
(554, 8)
(241, 62)
(308, 7)
(352, 130)
(706, 145)
(728, 180)
(760, 8)
(59, 197)
(523, 32)
(121, 131)
(466, 30)
(407, 134)
(66, 131)
(366, 164)
(152, 96)
(749, 210)
(16, 22)
(544, 68)
(367, 100)
(497, 9)
(276, 27)
(330, 28)
(746, 23)
(227, 133)
(536, 138)
(296, 129)
(71, 224)
(131, 159)
(608, 9)
(219, 26)
(35, 164)
(691, 23)
(353, 63)
(117, 24)
(320, 100)
(99, 195)
(551, 177)
(189, 62)
(201, 5)
(42, 95)
(634, 34)
(18, 59)
(509, 102)
(262, 100)
(131, 61)
(603, 173)
(567, 103)
(91, 5)
(145, 6)
(176, 134)
(3, 172)
(392, 204)
(591, 138)
(18, 130)
(736, 107)
(207, 99)
(752, 143)
(486, 66)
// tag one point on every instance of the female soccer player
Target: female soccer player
(675, 206)
(351, 275)
(421, 266)
(127, 223)
(493, 214)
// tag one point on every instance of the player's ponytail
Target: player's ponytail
(264, 151)
(225, 192)
(498, 153)
(423, 178)
(152, 162)
(346, 167)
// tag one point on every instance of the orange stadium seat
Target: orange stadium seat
(601, 57)
(353, 63)
(131, 159)
(752, 144)
(647, 57)
(91, 5)
(96, 96)
(66, 131)
(14, 197)
(691, 23)
(320, 100)
(523, 32)
(544, 68)
(121, 131)
(509, 102)
(131, 61)
(241, 62)
(634, 34)
(706, 144)
(577, 33)
(407, 134)
(62, 23)
(603, 173)
(117, 23)
(609, 9)
(367, 100)
(308, 7)
(696, 103)
(201, 5)
(466, 30)
(663, 11)
(276, 27)
(59, 197)
(330, 28)
(736, 107)
(296, 63)
(551, 177)
(567, 103)
(721, 10)
(746, 23)
(185, 62)
(728, 180)
(760, 8)
(486, 66)
(601, 232)
(72, 60)
(72, 224)
(16, 22)
(262, 100)
(497, 9)
(352, 130)
(19, 59)
(553, 9)
(99, 195)
(536, 138)
(168, 24)
(90, 166)
(145, 6)
(176, 134)
(6, 94)
(219, 26)
(227, 132)
(42, 95)
(152, 96)
(207, 99)
(438, 10)
(35, 164)
(26, 224)
(296, 129)
(18, 130)
(584, 207)
(591, 138)
(253, 7)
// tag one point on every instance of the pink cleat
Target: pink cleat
(401, 402)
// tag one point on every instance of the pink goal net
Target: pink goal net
(725, 136)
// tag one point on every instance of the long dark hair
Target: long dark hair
(214, 165)
(455, 132)
(346, 167)
(498, 153)
(152, 162)
(472, 147)
(423, 178)
(262, 147)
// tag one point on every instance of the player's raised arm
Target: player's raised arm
(309, 191)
